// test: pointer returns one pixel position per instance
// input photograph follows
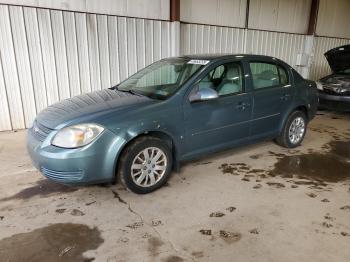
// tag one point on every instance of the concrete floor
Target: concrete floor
(241, 205)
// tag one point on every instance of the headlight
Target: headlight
(341, 90)
(77, 135)
(319, 85)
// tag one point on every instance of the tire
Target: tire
(154, 172)
(286, 137)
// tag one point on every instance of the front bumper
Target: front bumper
(91, 164)
(334, 102)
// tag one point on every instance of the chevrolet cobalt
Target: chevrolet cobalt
(173, 110)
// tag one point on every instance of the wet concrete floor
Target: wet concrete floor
(259, 202)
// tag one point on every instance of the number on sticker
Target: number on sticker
(198, 62)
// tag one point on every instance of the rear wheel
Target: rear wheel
(145, 165)
(294, 130)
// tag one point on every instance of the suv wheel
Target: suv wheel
(293, 131)
(145, 165)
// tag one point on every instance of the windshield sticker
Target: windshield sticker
(198, 62)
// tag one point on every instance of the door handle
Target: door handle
(285, 97)
(242, 106)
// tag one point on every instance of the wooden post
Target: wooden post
(174, 10)
(247, 14)
(313, 17)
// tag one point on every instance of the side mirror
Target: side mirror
(203, 94)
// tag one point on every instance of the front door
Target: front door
(215, 124)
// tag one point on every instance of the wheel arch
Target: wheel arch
(154, 133)
(302, 108)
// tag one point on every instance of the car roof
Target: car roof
(225, 56)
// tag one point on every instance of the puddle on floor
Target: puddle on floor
(42, 188)
(315, 169)
(332, 166)
(57, 242)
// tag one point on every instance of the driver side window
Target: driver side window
(225, 79)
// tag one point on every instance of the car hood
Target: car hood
(89, 104)
(338, 58)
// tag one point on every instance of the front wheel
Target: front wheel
(293, 131)
(145, 165)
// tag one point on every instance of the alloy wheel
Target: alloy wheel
(148, 167)
(296, 130)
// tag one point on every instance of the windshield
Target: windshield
(161, 79)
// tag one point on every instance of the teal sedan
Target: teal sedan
(173, 110)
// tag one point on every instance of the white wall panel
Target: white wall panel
(215, 39)
(157, 38)
(103, 48)
(320, 67)
(123, 48)
(83, 52)
(72, 53)
(281, 45)
(94, 57)
(219, 12)
(23, 65)
(197, 39)
(131, 45)
(333, 18)
(35, 58)
(9, 69)
(280, 15)
(113, 49)
(48, 55)
(153, 9)
(60, 54)
(5, 118)
(140, 43)
(149, 41)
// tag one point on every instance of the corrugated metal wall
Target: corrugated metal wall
(281, 45)
(211, 39)
(320, 67)
(216, 39)
(219, 12)
(48, 55)
(333, 18)
(152, 9)
(280, 15)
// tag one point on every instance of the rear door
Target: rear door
(272, 95)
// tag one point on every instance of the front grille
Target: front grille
(40, 131)
(63, 176)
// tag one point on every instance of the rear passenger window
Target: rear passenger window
(266, 75)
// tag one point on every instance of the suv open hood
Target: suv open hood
(338, 58)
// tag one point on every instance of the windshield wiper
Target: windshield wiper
(130, 91)
(135, 93)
